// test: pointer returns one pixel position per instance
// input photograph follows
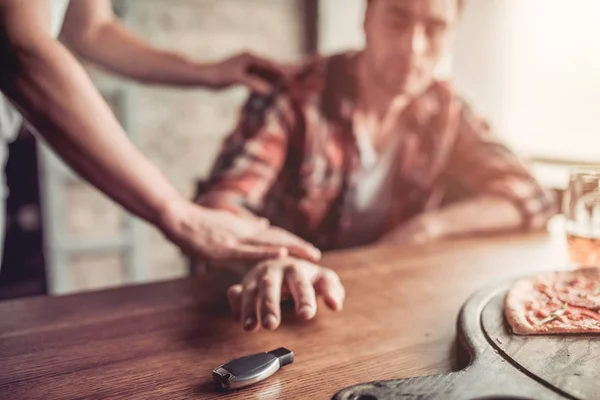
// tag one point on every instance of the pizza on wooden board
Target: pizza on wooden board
(555, 303)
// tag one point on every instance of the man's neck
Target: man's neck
(372, 97)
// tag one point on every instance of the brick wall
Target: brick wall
(180, 130)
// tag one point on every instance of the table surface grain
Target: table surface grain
(161, 341)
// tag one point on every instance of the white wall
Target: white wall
(531, 66)
(340, 25)
(534, 67)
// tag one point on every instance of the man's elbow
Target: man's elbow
(12, 48)
(547, 208)
(7, 55)
(18, 53)
(83, 40)
(539, 222)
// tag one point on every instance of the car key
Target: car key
(246, 371)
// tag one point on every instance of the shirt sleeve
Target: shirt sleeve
(483, 164)
(251, 157)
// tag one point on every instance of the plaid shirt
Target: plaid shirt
(294, 158)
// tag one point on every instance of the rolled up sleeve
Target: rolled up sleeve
(484, 165)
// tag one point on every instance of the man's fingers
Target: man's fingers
(332, 290)
(280, 237)
(249, 299)
(290, 70)
(234, 295)
(264, 68)
(257, 84)
(303, 293)
(305, 251)
(296, 248)
(270, 298)
(250, 252)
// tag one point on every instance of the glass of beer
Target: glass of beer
(581, 206)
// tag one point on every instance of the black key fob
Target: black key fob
(246, 371)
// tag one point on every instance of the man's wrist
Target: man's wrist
(208, 75)
(170, 215)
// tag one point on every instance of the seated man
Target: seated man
(367, 147)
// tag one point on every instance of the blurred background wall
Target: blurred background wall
(532, 67)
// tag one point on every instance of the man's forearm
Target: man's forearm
(114, 47)
(485, 214)
(45, 81)
(481, 215)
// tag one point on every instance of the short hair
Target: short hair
(461, 4)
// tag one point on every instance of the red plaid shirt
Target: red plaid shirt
(293, 157)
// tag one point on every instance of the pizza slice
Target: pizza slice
(555, 303)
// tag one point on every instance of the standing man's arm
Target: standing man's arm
(92, 30)
(54, 93)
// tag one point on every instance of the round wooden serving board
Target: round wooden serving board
(502, 365)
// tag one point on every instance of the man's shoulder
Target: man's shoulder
(443, 94)
(445, 99)
(313, 73)
(304, 86)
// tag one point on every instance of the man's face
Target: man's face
(406, 39)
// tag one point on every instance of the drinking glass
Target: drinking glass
(581, 208)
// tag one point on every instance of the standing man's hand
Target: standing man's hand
(223, 236)
(259, 74)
